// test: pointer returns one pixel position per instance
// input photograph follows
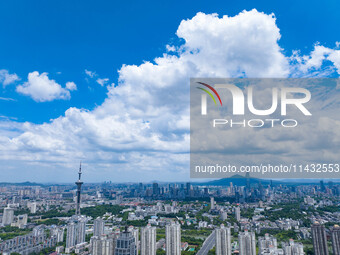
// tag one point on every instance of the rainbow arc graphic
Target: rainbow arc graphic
(209, 93)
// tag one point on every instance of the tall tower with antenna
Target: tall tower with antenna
(78, 183)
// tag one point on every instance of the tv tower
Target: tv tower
(78, 183)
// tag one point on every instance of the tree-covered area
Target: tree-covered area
(205, 209)
(9, 232)
(160, 233)
(160, 252)
(200, 232)
(248, 213)
(54, 213)
(50, 222)
(284, 211)
(21, 211)
(100, 210)
(44, 251)
(137, 223)
(212, 251)
(329, 209)
(188, 252)
(281, 235)
(192, 240)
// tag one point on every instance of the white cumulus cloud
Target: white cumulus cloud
(314, 64)
(102, 81)
(6, 78)
(71, 86)
(42, 89)
(89, 73)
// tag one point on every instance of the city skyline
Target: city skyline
(239, 218)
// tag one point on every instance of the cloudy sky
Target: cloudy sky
(108, 83)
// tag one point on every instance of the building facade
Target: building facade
(148, 240)
(173, 238)
(319, 239)
(98, 227)
(103, 245)
(76, 231)
(292, 248)
(8, 216)
(125, 244)
(247, 243)
(335, 237)
(223, 241)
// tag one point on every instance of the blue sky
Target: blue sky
(65, 38)
(71, 36)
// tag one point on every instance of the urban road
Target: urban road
(208, 244)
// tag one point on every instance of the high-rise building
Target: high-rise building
(21, 221)
(322, 186)
(77, 226)
(173, 239)
(8, 216)
(135, 234)
(98, 227)
(188, 188)
(292, 248)
(76, 231)
(267, 245)
(33, 207)
(319, 239)
(238, 213)
(103, 245)
(148, 240)
(58, 233)
(212, 203)
(223, 241)
(71, 237)
(335, 236)
(155, 189)
(223, 215)
(81, 230)
(78, 183)
(247, 243)
(125, 244)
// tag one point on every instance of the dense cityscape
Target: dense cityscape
(243, 215)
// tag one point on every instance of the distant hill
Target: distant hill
(236, 180)
(20, 184)
(242, 181)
